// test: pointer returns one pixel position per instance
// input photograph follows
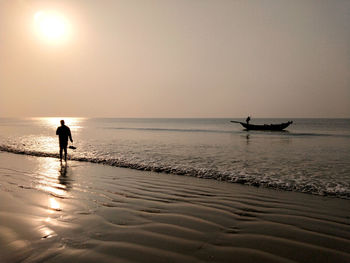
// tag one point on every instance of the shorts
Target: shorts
(63, 145)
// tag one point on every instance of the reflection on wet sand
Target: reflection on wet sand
(53, 204)
(64, 177)
(54, 177)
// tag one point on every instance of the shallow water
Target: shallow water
(311, 156)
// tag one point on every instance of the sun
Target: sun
(51, 26)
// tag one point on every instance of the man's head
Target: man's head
(62, 122)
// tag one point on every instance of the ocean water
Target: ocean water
(312, 155)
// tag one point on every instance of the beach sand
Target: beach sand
(88, 212)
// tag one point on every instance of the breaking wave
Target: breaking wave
(328, 189)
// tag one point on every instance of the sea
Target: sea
(310, 156)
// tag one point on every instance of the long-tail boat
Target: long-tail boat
(265, 127)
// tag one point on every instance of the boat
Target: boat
(265, 127)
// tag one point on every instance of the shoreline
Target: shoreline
(195, 174)
(87, 212)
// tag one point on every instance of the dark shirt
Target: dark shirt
(63, 133)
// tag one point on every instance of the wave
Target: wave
(232, 177)
(166, 129)
(303, 134)
(283, 133)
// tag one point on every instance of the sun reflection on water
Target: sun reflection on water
(53, 178)
(42, 139)
(46, 144)
(53, 122)
(54, 205)
(46, 232)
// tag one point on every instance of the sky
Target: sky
(175, 58)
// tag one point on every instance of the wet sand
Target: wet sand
(88, 212)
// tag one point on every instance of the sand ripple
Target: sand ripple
(96, 213)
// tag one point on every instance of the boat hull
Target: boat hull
(266, 127)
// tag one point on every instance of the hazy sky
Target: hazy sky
(177, 58)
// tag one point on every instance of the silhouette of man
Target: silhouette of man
(63, 133)
(248, 119)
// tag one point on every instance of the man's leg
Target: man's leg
(61, 153)
(65, 154)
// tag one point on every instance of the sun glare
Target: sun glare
(54, 122)
(51, 26)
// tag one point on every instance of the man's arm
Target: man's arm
(70, 135)
(58, 131)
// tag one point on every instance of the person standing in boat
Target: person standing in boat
(63, 133)
(247, 120)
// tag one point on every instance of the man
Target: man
(63, 133)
